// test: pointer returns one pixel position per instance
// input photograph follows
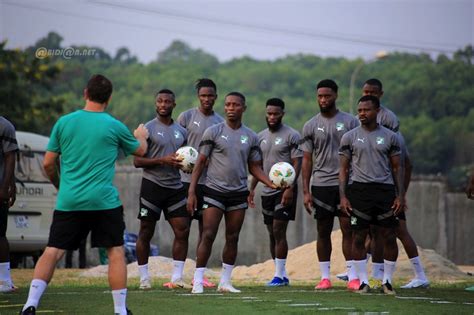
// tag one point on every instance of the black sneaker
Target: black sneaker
(30, 310)
(364, 288)
(129, 312)
(387, 288)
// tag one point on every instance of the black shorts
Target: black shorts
(155, 199)
(326, 202)
(69, 228)
(225, 201)
(200, 199)
(402, 216)
(273, 209)
(3, 218)
(371, 204)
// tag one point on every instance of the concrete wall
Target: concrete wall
(437, 219)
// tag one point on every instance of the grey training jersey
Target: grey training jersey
(321, 137)
(195, 123)
(7, 142)
(163, 141)
(388, 119)
(370, 153)
(229, 152)
(278, 146)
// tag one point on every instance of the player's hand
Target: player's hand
(250, 199)
(191, 203)
(11, 195)
(287, 196)
(141, 132)
(308, 203)
(172, 160)
(399, 205)
(346, 207)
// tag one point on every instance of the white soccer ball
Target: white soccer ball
(189, 156)
(282, 174)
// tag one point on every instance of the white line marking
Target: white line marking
(305, 304)
(415, 298)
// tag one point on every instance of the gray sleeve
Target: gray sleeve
(395, 148)
(182, 119)
(307, 140)
(255, 153)
(207, 142)
(345, 148)
(8, 138)
(294, 142)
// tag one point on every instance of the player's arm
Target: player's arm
(170, 160)
(141, 134)
(51, 167)
(251, 196)
(201, 163)
(470, 186)
(8, 188)
(255, 168)
(408, 170)
(306, 168)
(398, 176)
(287, 196)
(344, 165)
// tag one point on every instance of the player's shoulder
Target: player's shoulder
(312, 121)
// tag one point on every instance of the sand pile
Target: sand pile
(302, 264)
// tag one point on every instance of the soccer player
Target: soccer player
(86, 144)
(321, 138)
(388, 119)
(229, 148)
(278, 143)
(162, 190)
(375, 196)
(8, 149)
(196, 121)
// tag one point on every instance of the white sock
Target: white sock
(377, 270)
(351, 270)
(324, 266)
(389, 269)
(280, 268)
(361, 268)
(226, 272)
(418, 268)
(199, 275)
(5, 272)
(37, 288)
(143, 270)
(120, 301)
(178, 267)
(368, 257)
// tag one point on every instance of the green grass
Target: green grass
(86, 296)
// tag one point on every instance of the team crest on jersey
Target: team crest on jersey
(177, 134)
(278, 140)
(205, 206)
(244, 139)
(339, 126)
(353, 220)
(143, 212)
(380, 140)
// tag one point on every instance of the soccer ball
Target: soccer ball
(282, 174)
(189, 156)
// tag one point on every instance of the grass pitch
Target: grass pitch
(70, 294)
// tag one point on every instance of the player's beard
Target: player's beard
(328, 108)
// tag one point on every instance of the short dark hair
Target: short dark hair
(237, 94)
(99, 89)
(371, 98)
(204, 82)
(327, 83)
(164, 91)
(276, 102)
(375, 82)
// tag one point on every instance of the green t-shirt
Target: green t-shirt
(88, 144)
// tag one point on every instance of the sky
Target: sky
(261, 29)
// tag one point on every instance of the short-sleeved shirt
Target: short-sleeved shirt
(8, 142)
(89, 143)
(321, 137)
(370, 153)
(281, 145)
(195, 123)
(229, 151)
(388, 119)
(164, 140)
